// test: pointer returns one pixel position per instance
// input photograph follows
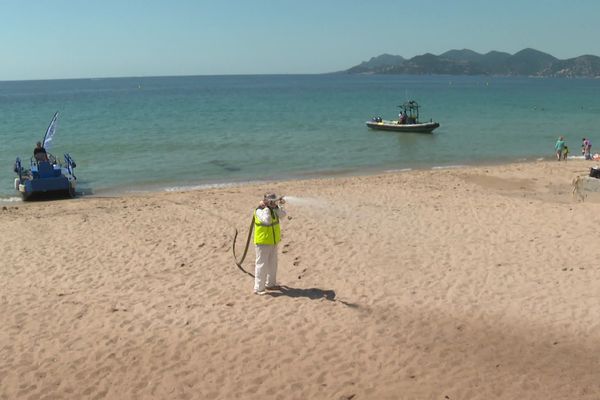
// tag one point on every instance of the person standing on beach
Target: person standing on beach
(558, 147)
(267, 234)
(586, 149)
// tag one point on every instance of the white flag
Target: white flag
(47, 143)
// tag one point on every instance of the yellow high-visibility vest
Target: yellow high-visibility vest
(267, 234)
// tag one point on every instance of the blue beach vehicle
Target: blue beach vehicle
(47, 175)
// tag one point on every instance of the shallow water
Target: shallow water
(173, 133)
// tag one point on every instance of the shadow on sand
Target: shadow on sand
(310, 293)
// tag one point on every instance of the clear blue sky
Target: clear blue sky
(43, 39)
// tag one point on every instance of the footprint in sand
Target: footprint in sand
(302, 273)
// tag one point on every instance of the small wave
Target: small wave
(391, 171)
(195, 187)
(448, 166)
(10, 200)
(199, 187)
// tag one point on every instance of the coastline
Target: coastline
(210, 145)
(347, 172)
(474, 282)
(85, 191)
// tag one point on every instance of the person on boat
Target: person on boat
(402, 118)
(558, 147)
(39, 153)
(267, 234)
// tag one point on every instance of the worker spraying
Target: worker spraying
(265, 224)
(267, 234)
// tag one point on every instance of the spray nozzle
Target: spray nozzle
(278, 201)
(272, 198)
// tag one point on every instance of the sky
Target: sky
(55, 39)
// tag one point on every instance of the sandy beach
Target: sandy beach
(469, 283)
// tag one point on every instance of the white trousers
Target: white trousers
(265, 270)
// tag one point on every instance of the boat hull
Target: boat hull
(54, 187)
(45, 179)
(396, 127)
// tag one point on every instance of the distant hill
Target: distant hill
(527, 62)
(379, 62)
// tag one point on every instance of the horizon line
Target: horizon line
(166, 76)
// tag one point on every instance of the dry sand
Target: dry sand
(470, 283)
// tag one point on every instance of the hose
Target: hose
(239, 263)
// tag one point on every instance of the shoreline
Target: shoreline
(149, 189)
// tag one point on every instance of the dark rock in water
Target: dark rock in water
(225, 165)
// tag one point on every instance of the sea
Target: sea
(130, 135)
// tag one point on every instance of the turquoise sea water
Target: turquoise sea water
(130, 134)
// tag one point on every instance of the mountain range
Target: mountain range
(527, 62)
